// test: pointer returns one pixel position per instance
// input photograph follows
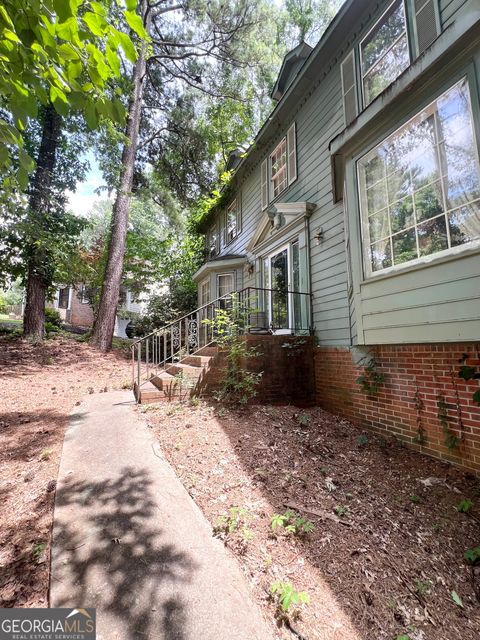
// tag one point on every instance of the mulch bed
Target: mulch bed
(386, 553)
(39, 387)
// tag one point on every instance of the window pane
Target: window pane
(428, 201)
(432, 236)
(378, 226)
(429, 183)
(381, 255)
(386, 70)
(404, 246)
(401, 214)
(465, 224)
(383, 36)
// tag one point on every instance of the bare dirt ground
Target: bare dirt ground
(385, 560)
(39, 387)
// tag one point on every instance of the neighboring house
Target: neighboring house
(363, 190)
(74, 307)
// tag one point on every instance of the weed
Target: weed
(361, 440)
(38, 549)
(422, 587)
(370, 380)
(234, 521)
(340, 510)
(45, 454)
(451, 441)
(292, 523)
(221, 412)
(126, 384)
(464, 506)
(437, 527)
(415, 499)
(472, 556)
(303, 419)
(194, 401)
(286, 597)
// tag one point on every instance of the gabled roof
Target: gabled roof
(291, 65)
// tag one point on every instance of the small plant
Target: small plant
(415, 499)
(38, 549)
(45, 454)
(234, 521)
(472, 556)
(292, 523)
(370, 380)
(53, 319)
(361, 440)
(340, 510)
(464, 506)
(303, 419)
(286, 597)
(422, 587)
(437, 527)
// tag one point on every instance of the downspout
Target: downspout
(309, 270)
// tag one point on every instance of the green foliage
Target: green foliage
(361, 440)
(52, 316)
(292, 523)
(370, 380)
(38, 549)
(451, 441)
(229, 324)
(287, 597)
(467, 373)
(209, 204)
(464, 506)
(472, 556)
(340, 510)
(415, 499)
(303, 419)
(235, 521)
(422, 587)
(456, 598)
(63, 53)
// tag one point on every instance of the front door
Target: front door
(277, 281)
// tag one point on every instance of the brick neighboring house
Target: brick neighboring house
(73, 305)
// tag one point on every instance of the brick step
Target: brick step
(163, 381)
(149, 394)
(207, 351)
(196, 361)
(187, 371)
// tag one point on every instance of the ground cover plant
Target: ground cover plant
(394, 549)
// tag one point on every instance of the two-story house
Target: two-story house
(356, 214)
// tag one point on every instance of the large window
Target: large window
(420, 188)
(384, 52)
(212, 242)
(278, 169)
(63, 297)
(205, 292)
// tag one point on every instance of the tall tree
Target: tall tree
(60, 55)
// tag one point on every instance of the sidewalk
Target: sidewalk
(129, 540)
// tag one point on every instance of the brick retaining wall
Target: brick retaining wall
(421, 390)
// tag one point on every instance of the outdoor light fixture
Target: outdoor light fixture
(318, 235)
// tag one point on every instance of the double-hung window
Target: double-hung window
(232, 221)
(279, 170)
(384, 52)
(205, 292)
(420, 188)
(64, 298)
(212, 242)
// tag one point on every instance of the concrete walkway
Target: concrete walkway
(129, 540)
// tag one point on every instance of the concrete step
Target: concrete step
(163, 381)
(196, 361)
(186, 370)
(149, 393)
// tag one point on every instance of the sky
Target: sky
(83, 199)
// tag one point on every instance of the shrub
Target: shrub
(52, 318)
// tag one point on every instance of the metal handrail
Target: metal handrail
(184, 336)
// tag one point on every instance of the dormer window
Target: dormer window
(384, 52)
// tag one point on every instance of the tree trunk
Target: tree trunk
(105, 321)
(39, 268)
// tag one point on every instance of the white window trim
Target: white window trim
(213, 229)
(230, 274)
(232, 205)
(202, 284)
(372, 28)
(352, 87)
(438, 256)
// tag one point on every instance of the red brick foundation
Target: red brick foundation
(421, 390)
